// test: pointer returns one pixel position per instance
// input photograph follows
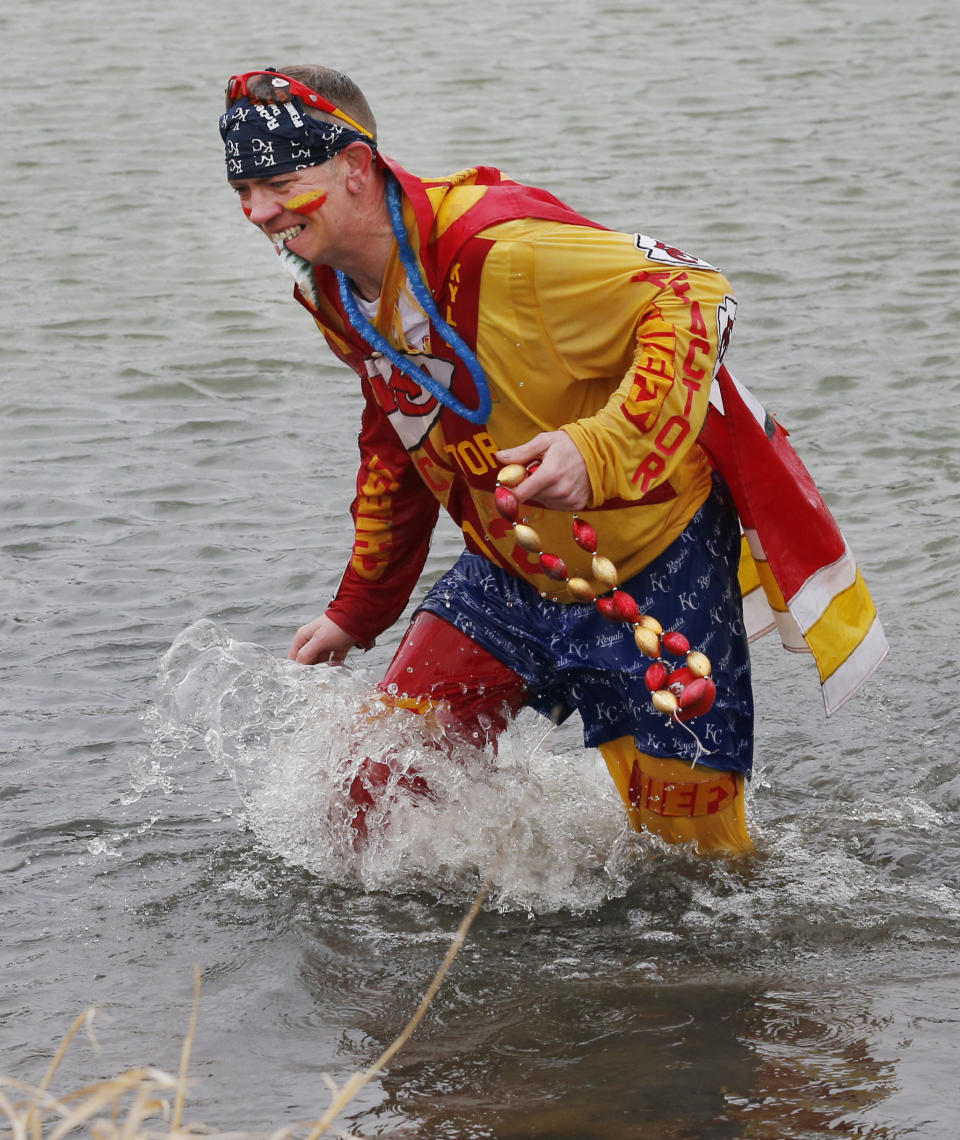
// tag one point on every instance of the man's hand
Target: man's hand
(321, 640)
(561, 481)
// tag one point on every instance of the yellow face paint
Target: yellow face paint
(306, 203)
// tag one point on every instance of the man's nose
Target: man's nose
(263, 206)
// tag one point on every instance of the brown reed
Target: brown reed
(147, 1104)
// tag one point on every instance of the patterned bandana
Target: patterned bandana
(275, 138)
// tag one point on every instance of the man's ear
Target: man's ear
(358, 166)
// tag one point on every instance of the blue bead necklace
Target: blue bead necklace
(424, 297)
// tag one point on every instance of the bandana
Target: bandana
(275, 138)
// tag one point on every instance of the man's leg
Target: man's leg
(439, 672)
(678, 802)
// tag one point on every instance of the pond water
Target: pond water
(178, 451)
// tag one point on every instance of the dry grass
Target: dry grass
(148, 1104)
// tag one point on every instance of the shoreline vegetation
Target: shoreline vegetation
(146, 1103)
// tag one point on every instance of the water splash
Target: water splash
(293, 738)
(543, 813)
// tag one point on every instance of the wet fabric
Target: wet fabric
(574, 659)
(797, 572)
(439, 671)
(680, 803)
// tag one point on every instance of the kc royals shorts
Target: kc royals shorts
(572, 659)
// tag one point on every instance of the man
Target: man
(491, 325)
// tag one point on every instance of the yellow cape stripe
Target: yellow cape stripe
(843, 626)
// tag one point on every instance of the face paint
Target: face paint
(306, 203)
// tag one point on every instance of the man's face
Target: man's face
(293, 209)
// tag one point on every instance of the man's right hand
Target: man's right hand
(321, 641)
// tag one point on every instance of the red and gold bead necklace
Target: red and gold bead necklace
(680, 693)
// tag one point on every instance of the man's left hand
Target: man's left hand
(561, 482)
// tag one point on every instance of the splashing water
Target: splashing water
(293, 738)
(542, 816)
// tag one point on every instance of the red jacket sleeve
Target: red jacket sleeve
(394, 514)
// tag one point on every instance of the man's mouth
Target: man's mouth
(283, 236)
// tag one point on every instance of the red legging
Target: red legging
(439, 668)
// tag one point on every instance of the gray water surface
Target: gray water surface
(178, 450)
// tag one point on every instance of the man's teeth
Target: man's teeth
(286, 235)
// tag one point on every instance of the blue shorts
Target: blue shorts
(574, 659)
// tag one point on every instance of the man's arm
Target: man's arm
(639, 438)
(655, 330)
(394, 514)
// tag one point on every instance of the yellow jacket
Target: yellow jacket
(613, 337)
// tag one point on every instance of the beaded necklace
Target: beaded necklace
(680, 693)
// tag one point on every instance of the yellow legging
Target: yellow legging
(677, 802)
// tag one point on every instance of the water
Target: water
(178, 451)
